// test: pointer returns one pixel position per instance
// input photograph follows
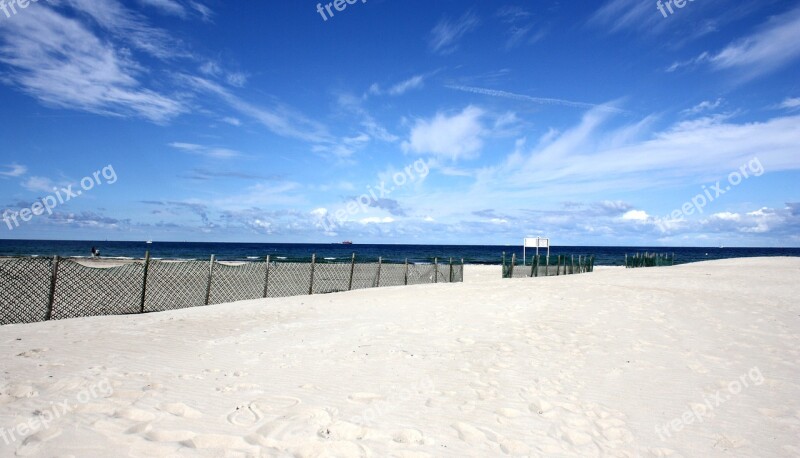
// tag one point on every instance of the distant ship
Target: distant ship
(347, 242)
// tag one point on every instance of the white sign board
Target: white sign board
(535, 242)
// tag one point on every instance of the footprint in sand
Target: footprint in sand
(365, 398)
(180, 409)
(245, 416)
(33, 353)
(469, 434)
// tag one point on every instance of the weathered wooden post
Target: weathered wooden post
(436, 270)
(378, 278)
(504, 265)
(462, 270)
(52, 296)
(352, 268)
(533, 266)
(511, 267)
(450, 277)
(144, 279)
(266, 277)
(311, 279)
(210, 277)
(405, 274)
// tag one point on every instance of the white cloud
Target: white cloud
(167, 6)
(62, 63)
(446, 34)
(207, 151)
(414, 82)
(791, 103)
(775, 45)
(281, 120)
(527, 98)
(14, 170)
(232, 121)
(705, 105)
(454, 137)
(376, 220)
(38, 184)
(635, 215)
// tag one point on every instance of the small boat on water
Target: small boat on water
(347, 242)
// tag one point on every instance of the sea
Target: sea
(337, 252)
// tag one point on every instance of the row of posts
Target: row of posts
(649, 260)
(57, 260)
(585, 264)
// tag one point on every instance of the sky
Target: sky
(617, 122)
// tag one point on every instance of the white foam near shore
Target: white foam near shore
(691, 360)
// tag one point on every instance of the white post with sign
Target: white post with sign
(535, 242)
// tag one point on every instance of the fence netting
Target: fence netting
(36, 289)
(87, 291)
(25, 287)
(544, 266)
(649, 260)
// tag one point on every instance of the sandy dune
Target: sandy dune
(691, 360)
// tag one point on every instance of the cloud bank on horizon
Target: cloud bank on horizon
(258, 122)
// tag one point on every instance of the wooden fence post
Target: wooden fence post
(311, 280)
(144, 279)
(462, 270)
(210, 277)
(405, 280)
(266, 278)
(52, 296)
(352, 268)
(378, 278)
(504, 265)
(533, 266)
(511, 267)
(451, 271)
(436, 270)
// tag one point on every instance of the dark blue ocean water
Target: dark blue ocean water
(475, 254)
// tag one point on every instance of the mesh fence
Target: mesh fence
(649, 260)
(25, 287)
(87, 291)
(331, 278)
(151, 286)
(289, 279)
(175, 285)
(365, 276)
(232, 283)
(541, 266)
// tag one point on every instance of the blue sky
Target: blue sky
(402, 121)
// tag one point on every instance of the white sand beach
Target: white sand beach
(692, 360)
